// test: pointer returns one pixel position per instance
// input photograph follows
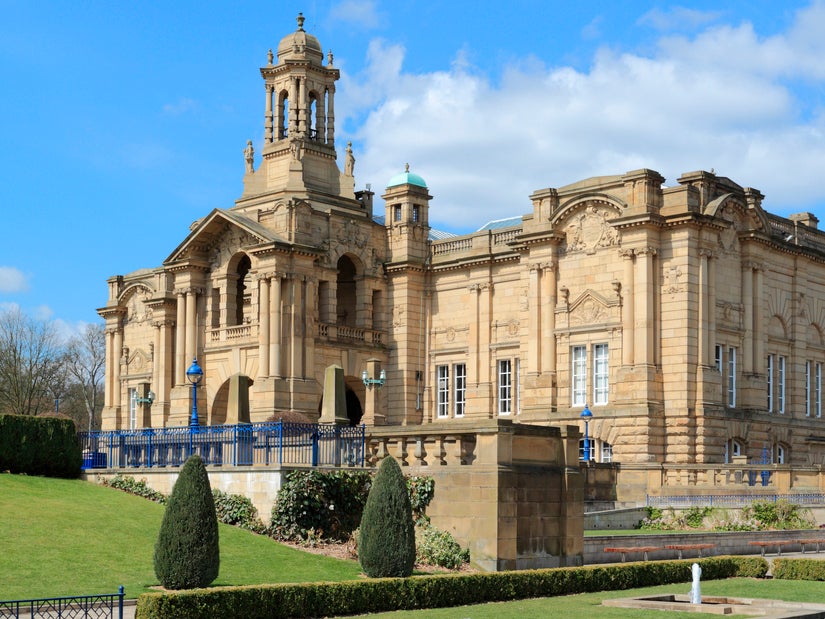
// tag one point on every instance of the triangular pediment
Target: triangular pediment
(591, 308)
(211, 232)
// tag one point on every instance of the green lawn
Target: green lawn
(589, 604)
(70, 537)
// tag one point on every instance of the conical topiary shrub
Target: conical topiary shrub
(386, 543)
(187, 554)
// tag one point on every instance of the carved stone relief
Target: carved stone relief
(136, 309)
(590, 230)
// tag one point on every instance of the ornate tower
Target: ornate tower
(407, 214)
(299, 121)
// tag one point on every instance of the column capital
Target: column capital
(627, 253)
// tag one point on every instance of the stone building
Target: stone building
(688, 319)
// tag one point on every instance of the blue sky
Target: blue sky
(122, 123)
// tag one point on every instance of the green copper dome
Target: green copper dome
(407, 178)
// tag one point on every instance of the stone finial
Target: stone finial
(329, 58)
(300, 20)
(270, 56)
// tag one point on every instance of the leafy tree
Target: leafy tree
(386, 544)
(29, 351)
(187, 554)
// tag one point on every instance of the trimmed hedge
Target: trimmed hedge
(46, 446)
(798, 569)
(436, 591)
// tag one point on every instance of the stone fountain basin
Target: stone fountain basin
(772, 609)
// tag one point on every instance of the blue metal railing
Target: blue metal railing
(247, 444)
(733, 500)
(101, 606)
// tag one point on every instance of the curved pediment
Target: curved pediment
(586, 224)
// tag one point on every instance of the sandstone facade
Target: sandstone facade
(689, 319)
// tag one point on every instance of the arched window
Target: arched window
(733, 448)
(312, 121)
(346, 293)
(242, 301)
(283, 115)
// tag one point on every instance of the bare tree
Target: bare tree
(85, 362)
(29, 353)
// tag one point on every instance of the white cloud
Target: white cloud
(719, 100)
(12, 280)
(363, 13)
(678, 18)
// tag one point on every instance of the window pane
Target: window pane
(600, 373)
(443, 373)
(504, 387)
(578, 373)
(460, 379)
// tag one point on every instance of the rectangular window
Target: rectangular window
(780, 386)
(818, 390)
(460, 381)
(732, 376)
(717, 358)
(578, 375)
(396, 210)
(443, 377)
(770, 383)
(518, 387)
(505, 387)
(607, 452)
(132, 409)
(808, 390)
(600, 373)
(415, 213)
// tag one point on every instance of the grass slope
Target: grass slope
(69, 537)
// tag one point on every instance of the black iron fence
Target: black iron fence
(101, 606)
(246, 444)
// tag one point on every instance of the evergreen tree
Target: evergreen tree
(187, 554)
(386, 543)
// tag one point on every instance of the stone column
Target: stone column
(703, 298)
(292, 121)
(269, 121)
(548, 318)
(296, 369)
(747, 304)
(645, 319)
(108, 384)
(163, 355)
(535, 338)
(759, 329)
(264, 330)
(303, 108)
(118, 352)
(191, 344)
(475, 327)
(628, 306)
(180, 340)
(711, 306)
(331, 117)
(320, 119)
(275, 327)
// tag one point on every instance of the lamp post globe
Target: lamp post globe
(587, 416)
(194, 375)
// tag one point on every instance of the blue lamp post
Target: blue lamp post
(194, 374)
(587, 416)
